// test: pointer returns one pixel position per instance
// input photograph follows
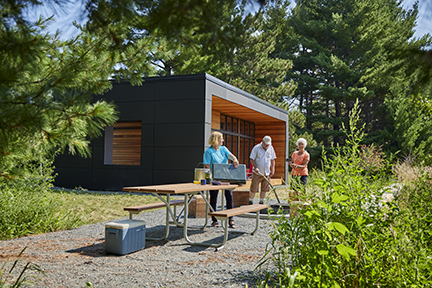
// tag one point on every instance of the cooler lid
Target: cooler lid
(124, 224)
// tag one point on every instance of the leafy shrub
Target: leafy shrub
(348, 237)
(26, 208)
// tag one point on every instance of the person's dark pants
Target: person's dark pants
(303, 179)
(229, 201)
(300, 180)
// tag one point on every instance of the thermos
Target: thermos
(207, 177)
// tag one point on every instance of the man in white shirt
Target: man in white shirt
(263, 160)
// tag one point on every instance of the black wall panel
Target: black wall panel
(74, 177)
(177, 158)
(179, 134)
(99, 141)
(116, 179)
(72, 161)
(98, 157)
(135, 111)
(172, 177)
(147, 158)
(180, 111)
(180, 90)
(124, 92)
(147, 134)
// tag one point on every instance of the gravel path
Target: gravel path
(74, 257)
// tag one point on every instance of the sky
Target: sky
(424, 20)
(74, 12)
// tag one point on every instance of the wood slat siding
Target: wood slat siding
(276, 130)
(238, 111)
(127, 124)
(127, 143)
(215, 122)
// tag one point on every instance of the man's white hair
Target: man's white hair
(302, 140)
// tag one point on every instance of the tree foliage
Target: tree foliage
(245, 62)
(341, 51)
(46, 83)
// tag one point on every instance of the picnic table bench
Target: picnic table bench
(138, 209)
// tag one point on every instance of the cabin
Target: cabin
(163, 130)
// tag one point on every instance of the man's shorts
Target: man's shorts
(256, 181)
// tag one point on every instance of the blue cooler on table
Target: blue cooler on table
(123, 237)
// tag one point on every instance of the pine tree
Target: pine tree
(252, 66)
(340, 50)
(44, 93)
(244, 61)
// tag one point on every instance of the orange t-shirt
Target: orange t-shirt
(298, 160)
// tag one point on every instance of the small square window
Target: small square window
(123, 144)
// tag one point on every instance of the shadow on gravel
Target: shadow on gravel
(216, 240)
(176, 234)
(94, 250)
(245, 277)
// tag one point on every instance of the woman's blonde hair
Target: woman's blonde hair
(214, 138)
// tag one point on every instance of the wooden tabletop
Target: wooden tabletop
(178, 188)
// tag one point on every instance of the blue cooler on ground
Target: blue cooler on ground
(123, 237)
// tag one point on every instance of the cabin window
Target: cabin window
(239, 136)
(123, 144)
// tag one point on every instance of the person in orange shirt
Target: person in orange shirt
(299, 162)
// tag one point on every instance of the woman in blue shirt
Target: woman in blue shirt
(217, 153)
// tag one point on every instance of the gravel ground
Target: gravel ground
(74, 257)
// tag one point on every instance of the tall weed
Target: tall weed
(12, 278)
(407, 172)
(348, 237)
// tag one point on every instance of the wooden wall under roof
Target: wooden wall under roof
(276, 130)
(264, 125)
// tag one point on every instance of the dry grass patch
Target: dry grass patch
(408, 173)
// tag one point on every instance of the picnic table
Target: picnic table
(164, 193)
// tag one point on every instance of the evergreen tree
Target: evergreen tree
(252, 67)
(409, 100)
(43, 89)
(340, 50)
(245, 61)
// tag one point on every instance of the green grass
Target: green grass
(94, 207)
